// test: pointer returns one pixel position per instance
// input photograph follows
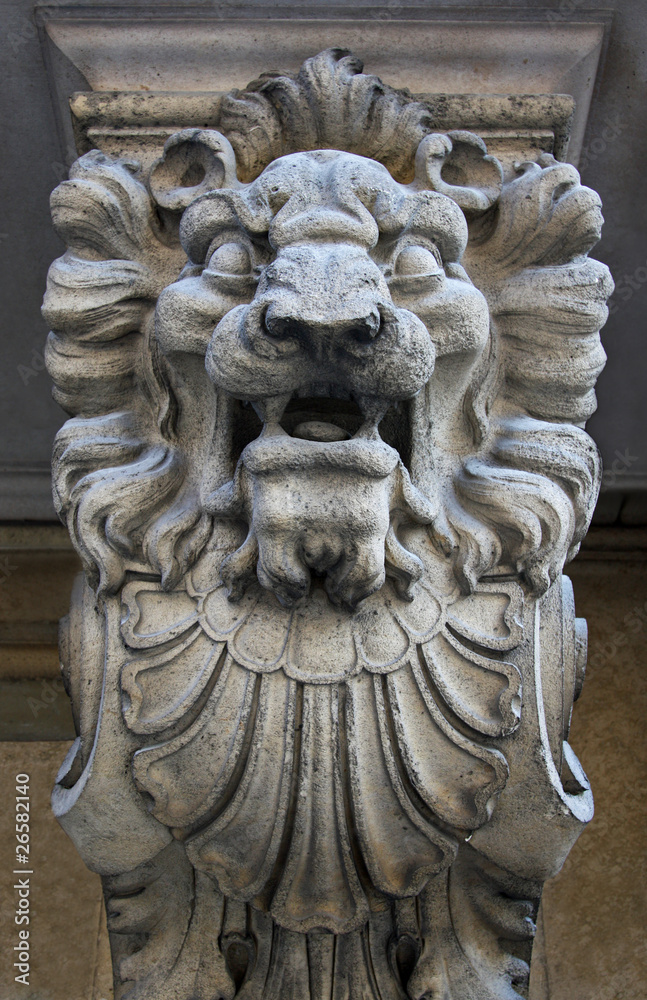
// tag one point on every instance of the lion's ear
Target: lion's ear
(457, 164)
(194, 161)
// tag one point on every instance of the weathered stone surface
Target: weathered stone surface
(515, 127)
(328, 374)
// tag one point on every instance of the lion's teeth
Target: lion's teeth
(369, 431)
(271, 409)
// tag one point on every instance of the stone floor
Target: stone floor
(592, 943)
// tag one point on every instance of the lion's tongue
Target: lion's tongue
(319, 430)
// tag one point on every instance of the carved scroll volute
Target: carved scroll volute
(195, 161)
(323, 500)
(457, 164)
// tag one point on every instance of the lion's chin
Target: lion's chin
(320, 509)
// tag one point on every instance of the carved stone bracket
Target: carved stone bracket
(515, 127)
(328, 369)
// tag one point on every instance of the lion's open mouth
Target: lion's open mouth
(325, 413)
(323, 495)
(322, 416)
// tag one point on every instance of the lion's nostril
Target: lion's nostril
(320, 334)
(365, 329)
(281, 328)
(364, 333)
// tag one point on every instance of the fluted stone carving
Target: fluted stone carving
(327, 375)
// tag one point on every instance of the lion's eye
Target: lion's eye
(230, 258)
(417, 261)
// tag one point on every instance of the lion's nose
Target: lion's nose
(321, 335)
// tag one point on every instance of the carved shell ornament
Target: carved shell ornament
(327, 373)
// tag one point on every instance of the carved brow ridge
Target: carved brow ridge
(348, 218)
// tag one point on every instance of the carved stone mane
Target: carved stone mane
(327, 373)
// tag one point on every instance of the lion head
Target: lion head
(330, 354)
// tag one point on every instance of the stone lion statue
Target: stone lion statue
(327, 372)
